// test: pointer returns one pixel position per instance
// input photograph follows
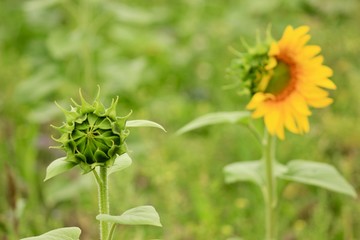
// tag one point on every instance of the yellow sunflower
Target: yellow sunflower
(295, 81)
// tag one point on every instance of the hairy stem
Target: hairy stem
(270, 187)
(103, 190)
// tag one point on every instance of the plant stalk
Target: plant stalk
(103, 191)
(270, 187)
(112, 230)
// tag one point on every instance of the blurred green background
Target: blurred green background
(167, 61)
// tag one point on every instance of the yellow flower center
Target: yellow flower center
(280, 80)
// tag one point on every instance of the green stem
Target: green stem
(112, 230)
(103, 190)
(254, 131)
(270, 190)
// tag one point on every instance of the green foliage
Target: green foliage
(69, 233)
(215, 118)
(244, 171)
(252, 171)
(318, 174)
(121, 162)
(143, 215)
(57, 167)
(60, 165)
(307, 172)
(144, 123)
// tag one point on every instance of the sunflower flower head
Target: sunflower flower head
(92, 135)
(285, 78)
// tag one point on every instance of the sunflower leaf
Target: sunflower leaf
(252, 171)
(67, 233)
(121, 162)
(57, 167)
(144, 123)
(318, 174)
(243, 171)
(215, 118)
(143, 215)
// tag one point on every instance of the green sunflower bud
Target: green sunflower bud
(92, 135)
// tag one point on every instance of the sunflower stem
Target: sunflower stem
(270, 186)
(254, 131)
(112, 230)
(103, 191)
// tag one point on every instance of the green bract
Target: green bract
(92, 135)
(248, 68)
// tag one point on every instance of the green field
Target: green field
(167, 61)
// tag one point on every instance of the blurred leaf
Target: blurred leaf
(67, 189)
(40, 85)
(244, 171)
(121, 162)
(68, 233)
(215, 118)
(62, 44)
(57, 167)
(130, 14)
(132, 72)
(43, 113)
(143, 215)
(34, 5)
(318, 174)
(252, 171)
(144, 123)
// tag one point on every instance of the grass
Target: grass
(167, 62)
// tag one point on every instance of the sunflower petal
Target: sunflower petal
(289, 121)
(256, 100)
(271, 64)
(260, 111)
(320, 103)
(303, 123)
(272, 120)
(326, 83)
(299, 104)
(280, 128)
(302, 30)
(310, 51)
(274, 49)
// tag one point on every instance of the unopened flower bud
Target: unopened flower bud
(92, 135)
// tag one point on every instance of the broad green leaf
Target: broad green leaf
(68, 233)
(144, 123)
(215, 118)
(57, 167)
(252, 171)
(143, 215)
(121, 162)
(318, 174)
(244, 171)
